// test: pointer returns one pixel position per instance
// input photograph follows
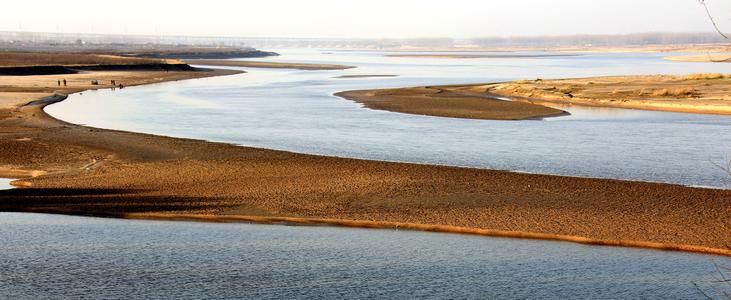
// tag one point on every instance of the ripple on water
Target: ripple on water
(62, 256)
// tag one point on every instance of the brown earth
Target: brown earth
(87, 171)
(445, 102)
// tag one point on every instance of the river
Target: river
(61, 256)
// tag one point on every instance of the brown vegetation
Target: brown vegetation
(696, 93)
(711, 57)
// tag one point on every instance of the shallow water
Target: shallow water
(50, 256)
(295, 110)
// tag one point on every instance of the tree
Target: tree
(716, 27)
(710, 17)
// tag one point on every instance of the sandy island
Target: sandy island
(262, 64)
(710, 57)
(694, 93)
(447, 102)
(87, 171)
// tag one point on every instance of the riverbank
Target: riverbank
(709, 57)
(694, 93)
(263, 64)
(89, 171)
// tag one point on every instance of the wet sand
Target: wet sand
(262, 64)
(444, 102)
(89, 171)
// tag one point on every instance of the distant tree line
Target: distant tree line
(602, 40)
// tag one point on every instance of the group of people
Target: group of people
(114, 84)
(94, 82)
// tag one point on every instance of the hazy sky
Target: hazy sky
(360, 18)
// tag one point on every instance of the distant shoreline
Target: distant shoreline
(269, 65)
(468, 56)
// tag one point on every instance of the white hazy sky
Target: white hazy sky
(359, 18)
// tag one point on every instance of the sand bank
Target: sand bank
(262, 64)
(442, 102)
(121, 174)
(694, 93)
(44, 85)
(426, 227)
(711, 57)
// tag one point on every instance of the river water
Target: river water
(296, 111)
(50, 256)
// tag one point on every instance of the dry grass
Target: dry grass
(25, 59)
(703, 76)
(695, 93)
(676, 92)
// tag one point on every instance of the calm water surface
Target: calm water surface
(48, 256)
(295, 111)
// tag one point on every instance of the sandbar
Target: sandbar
(693, 93)
(443, 102)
